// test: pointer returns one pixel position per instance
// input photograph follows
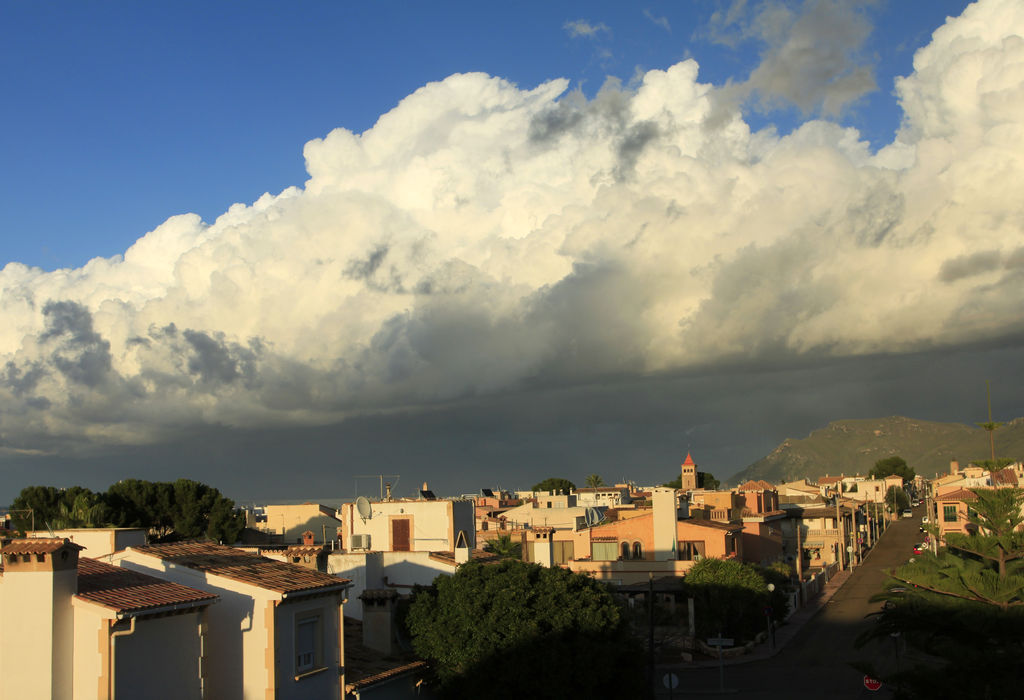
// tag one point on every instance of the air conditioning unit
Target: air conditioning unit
(359, 542)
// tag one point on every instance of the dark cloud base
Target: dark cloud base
(639, 429)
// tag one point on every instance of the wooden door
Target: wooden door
(400, 536)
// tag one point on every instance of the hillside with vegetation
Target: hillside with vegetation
(853, 447)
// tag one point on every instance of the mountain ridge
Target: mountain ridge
(852, 446)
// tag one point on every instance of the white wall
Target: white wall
(434, 523)
(99, 540)
(368, 569)
(160, 660)
(37, 634)
(323, 684)
(238, 629)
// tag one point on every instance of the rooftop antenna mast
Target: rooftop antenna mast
(396, 477)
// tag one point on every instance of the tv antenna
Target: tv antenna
(396, 477)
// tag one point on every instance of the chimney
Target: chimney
(543, 551)
(40, 578)
(954, 467)
(378, 619)
(666, 515)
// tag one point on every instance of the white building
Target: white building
(409, 525)
(402, 543)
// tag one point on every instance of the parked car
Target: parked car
(920, 548)
(908, 513)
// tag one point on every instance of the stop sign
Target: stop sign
(872, 683)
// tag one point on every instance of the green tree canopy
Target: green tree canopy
(59, 508)
(594, 480)
(555, 485)
(183, 509)
(897, 499)
(731, 596)
(892, 465)
(514, 630)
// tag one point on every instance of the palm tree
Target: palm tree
(85, 510)
(595, 480)
(504, 547)
(991, 425)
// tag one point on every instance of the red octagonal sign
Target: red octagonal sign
(872, 683)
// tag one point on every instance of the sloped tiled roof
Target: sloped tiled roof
(689, 460)
(958, 495)
(365, 667)
(1004, 477)
(240, 566)
(479, 555)
(758, 485)
(127, 591)
(38, 545)
(826, 480)
(713, 524)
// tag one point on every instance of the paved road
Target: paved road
(815, 662)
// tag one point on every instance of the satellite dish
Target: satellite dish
(363, 508)
(593, 517)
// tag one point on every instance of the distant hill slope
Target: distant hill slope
(853, 446)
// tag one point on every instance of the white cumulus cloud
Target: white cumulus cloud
(483, 238)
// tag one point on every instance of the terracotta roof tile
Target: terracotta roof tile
(38, 545)
(414, 667)
(958, 495)
(758, 485)
(240, 566)
(689, 460)
(128, 591)
(713, 524)
(365, 666)
(1004, 477)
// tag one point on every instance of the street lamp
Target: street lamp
(768, 617)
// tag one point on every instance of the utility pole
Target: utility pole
(842, 535)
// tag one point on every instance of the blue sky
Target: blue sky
(121, 114)
(487, 244)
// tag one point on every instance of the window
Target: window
(638, 550)
(307, 644)
(605, 551)
(563, 552)
(949, 514)
(625, 550)
(688, 551)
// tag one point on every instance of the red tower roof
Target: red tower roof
(689, 460)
